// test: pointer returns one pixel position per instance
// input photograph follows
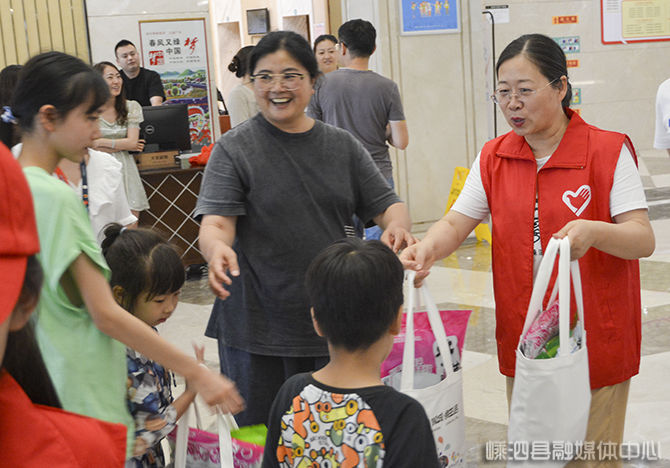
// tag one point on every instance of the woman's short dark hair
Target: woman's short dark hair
(141, 261)
(240, 63)
(324, 37)
(60, 80)
(545, 54)
(120, 100)
(355, 289)
(293, 43)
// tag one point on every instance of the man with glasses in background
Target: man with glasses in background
(141, 85)
(361, 101)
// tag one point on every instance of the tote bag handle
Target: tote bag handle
(541, 283)
(225, 425)
(566, 269)
(407, 376)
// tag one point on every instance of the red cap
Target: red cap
(18, 231)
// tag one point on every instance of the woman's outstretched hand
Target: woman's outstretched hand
(418, 257)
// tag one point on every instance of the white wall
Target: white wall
(618, 82)
(229, 21)
(109, 21)
(445, 79)
(430, 71)
(369, 11)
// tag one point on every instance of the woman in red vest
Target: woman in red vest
(555, 175)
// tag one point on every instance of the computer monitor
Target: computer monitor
(166, 128)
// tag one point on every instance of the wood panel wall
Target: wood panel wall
(29, 27)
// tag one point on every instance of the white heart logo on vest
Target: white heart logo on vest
(578, 200)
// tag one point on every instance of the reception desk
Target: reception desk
(172, 194)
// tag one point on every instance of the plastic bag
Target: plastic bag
(543, 328)
(203, 448)
(428, 363)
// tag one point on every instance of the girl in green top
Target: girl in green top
(57, 103)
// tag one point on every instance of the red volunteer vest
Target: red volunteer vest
(38, 436)
(574, 184)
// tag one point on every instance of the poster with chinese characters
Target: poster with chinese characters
(429, 17)
(177, 51)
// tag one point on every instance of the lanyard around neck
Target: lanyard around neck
(84, 184)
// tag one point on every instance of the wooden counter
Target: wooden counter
(172, 194)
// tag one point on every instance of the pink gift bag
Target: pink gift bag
(197, 448)
(428, 363)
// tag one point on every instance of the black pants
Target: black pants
(258, 378)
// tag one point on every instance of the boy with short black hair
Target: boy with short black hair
(342, 413)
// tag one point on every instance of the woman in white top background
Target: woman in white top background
(241, 101)
(120, 129)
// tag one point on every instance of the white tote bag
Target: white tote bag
(183, 459)
(551, 398)
(443, 402)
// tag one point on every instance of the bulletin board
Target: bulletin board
(624, 21)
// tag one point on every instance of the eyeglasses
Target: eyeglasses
(503, 96)
(288, 81)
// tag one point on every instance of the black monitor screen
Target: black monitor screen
(258, 21)
(166, 128)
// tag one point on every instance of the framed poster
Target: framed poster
(429, 16)
(177, 50)
(624, 21)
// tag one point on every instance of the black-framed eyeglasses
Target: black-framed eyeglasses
(504, 95)
(289, 81)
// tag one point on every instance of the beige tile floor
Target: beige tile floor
(464, 281)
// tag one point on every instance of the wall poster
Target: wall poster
(177, 50)
(625, 21)
(429, 17)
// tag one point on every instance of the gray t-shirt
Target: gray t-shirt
(293, 194)
(362, 102)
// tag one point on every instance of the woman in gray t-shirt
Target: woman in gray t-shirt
(279, 188)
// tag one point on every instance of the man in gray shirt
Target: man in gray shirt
(361, 101)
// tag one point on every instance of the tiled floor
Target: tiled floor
(464, 281)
